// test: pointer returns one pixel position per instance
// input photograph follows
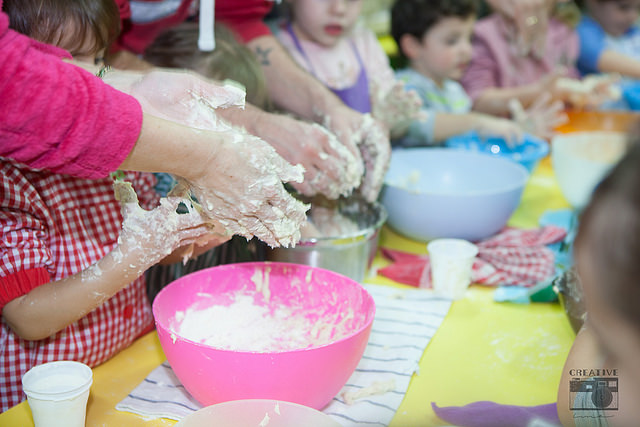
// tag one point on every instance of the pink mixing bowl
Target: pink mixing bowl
(309, 376)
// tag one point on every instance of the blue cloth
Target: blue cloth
(450, 98)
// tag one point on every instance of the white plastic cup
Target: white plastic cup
(451, 262)
(57, 393)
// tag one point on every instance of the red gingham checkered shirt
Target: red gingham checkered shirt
(53, 226)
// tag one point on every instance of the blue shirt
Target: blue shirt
(594, 40)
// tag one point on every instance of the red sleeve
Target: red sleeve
(124, 8)
(137, 36)
(59, 117)
(244, 17)
(21, 283)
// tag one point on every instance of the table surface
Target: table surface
(506, 353)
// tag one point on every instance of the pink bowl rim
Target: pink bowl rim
(367, 325)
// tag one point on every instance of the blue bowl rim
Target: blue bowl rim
(541, 146)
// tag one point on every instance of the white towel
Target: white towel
(404, 323)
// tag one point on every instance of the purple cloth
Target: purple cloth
(491, 414)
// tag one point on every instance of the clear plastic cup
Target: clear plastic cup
(57, 393)
(451, 262)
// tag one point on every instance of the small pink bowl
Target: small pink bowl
(310, 376)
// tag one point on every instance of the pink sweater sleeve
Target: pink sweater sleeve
(56, 116)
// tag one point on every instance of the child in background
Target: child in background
(71, 264)
(502, 75)
(435, 37)
(323, 38)
(610, 37)
(606, 254)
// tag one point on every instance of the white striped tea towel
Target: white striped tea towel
(404, 323)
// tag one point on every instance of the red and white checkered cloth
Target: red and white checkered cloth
(511, 257)
(53, 226)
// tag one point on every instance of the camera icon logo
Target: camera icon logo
(599, 393)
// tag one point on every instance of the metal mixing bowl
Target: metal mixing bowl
(569, 289)
(350, 254)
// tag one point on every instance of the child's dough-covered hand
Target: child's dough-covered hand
(541, 118)
(510, 131)
(396, 108)
(243, 191)
(376, 154)
(149, 236)
(589, 92)
(331, 169)
(343, 122)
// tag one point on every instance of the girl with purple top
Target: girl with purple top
(323, 38)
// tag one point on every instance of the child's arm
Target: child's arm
(585, 353)
(495, 100)
(146, 237)
(293, 89)
(616, 62)
(447, 125)
(396, 107)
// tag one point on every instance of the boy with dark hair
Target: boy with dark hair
(434, 36)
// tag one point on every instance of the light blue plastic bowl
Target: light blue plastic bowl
(445, 193)
(528, 153)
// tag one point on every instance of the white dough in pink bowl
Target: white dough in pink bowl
(264, 331)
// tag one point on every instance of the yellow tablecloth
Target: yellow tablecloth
(507, 353)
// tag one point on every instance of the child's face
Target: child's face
(615, 17)
(445, 50)
(324, 21)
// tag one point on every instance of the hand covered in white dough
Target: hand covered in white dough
(241, 187)
(344, 122)
(396, 107)
(542, 116)
(152, 235)
(331, 169)
(171, 94)
(510, 131)
(243, 190)
(376, 153)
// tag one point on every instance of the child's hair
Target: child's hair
(84, 27)
(178, 48)
(609, 233)
(417, 17)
